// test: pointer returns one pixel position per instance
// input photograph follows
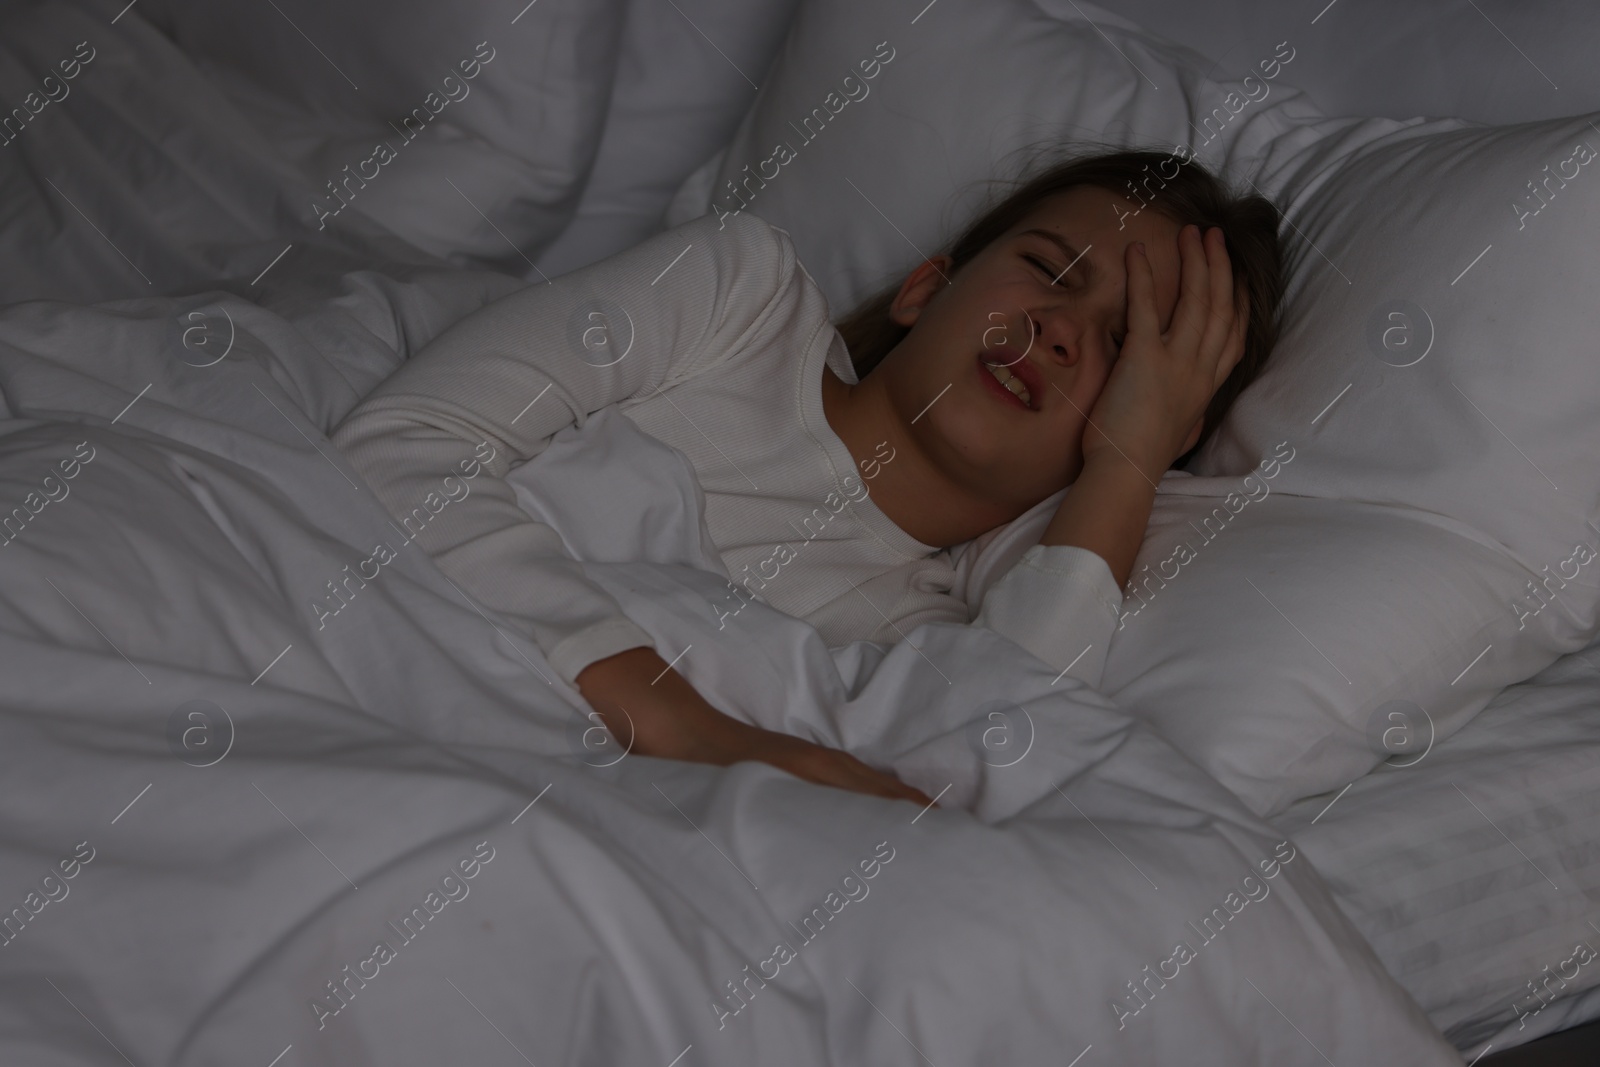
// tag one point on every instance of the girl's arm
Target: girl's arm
(654, 711)
(1106, 512)
(509, 376)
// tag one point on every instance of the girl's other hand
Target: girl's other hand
(830, 766)
(1152, 408)
(654, 711)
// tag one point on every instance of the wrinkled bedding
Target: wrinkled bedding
(238, 826)
(267, 790)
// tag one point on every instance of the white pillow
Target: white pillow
(947, 103)
(1290, 644)
(1439, 346)
(677, 99)
(1438, 359)
(517, 134)
(1434, 57)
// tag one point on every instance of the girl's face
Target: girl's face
(1047, 301)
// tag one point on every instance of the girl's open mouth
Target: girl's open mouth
(1009, 375)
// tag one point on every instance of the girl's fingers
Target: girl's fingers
(1236, 337)
(1189, 318)
(1220, 321)
(1142, 315)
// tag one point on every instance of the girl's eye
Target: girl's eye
(1043, 267)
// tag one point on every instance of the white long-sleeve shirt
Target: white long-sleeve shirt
(712, 340)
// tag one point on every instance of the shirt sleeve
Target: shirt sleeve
(499, 384)
(1061, 603)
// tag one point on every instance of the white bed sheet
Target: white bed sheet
(144, 180)
(1476, 867)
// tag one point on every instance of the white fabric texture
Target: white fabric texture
(1480, 927)
(712, 339)
(167, 224)
(1267, 634)
(1510, 63)
(505, 109)
(1449, 375)
(1452, 312)
(686, 74)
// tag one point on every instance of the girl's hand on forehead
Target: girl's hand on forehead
(1153, 406)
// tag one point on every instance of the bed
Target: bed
(276, 791)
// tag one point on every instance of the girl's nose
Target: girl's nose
(1067, 356)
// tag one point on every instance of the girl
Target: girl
(1072, 335)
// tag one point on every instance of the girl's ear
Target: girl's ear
(920, 286)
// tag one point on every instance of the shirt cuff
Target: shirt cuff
(1062, 604)
(1082, 565)
(606, 638)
